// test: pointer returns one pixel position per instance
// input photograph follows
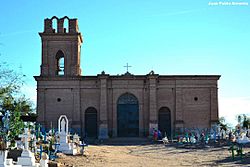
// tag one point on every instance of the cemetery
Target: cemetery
(132, 136)
(124, 83)
(36, 146)
(149, 123)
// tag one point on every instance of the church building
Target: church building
(107, 106)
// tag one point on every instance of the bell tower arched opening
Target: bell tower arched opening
(66, 25)
(54, 25)
(60, 63)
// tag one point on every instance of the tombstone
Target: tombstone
(243, 139)
(65, 147)
(9, 163)
(223, 134)
(63, 129)
(4, 162)
(165, 140)
(76, 138)
(27, 157)
(214, 135)
(214, 131)
(19, 144)
(206, 138)
(192, 139)
(63, 124)
(34, 144)
(3, 157)
(44, 160)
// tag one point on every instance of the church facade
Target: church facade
(125, 105)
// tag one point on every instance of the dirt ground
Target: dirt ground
(155, 155)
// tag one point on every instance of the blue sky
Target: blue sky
(169, 37)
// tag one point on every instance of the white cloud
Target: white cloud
(229, 107)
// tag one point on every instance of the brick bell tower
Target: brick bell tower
(61, 46)
(57, 93)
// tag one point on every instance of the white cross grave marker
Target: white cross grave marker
(26, 135)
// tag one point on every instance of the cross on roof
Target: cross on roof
(127, 66)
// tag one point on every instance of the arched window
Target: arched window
(59, 63)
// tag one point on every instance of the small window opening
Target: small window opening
(54, 25)
(61, 66)
(59, 99)
(60, 63)
(195, 98)
(66, 25)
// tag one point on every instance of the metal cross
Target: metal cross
(127, 66)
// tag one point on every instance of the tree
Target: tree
(10, 81)
(243, 120)
(222, 123)
(12, 103)
(246, 122)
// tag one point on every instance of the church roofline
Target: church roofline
(175, 77)
(191, 76)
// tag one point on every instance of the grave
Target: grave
(6, 162)
(27, 158)
(3, 143)
(192, 139)
(65, 146)
(3, 157)
(243, 139)
(44, 160)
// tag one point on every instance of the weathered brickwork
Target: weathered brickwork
(191, 99)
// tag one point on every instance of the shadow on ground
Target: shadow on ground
(245, 160)
(122, 141)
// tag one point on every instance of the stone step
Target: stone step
(126, 141)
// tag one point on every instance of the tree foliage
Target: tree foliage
(244, 120)
(10, 81)
(12, 102)
(222, 123)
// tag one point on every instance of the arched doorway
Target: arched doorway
(127, 116)
(91, 122)
(164, 121)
